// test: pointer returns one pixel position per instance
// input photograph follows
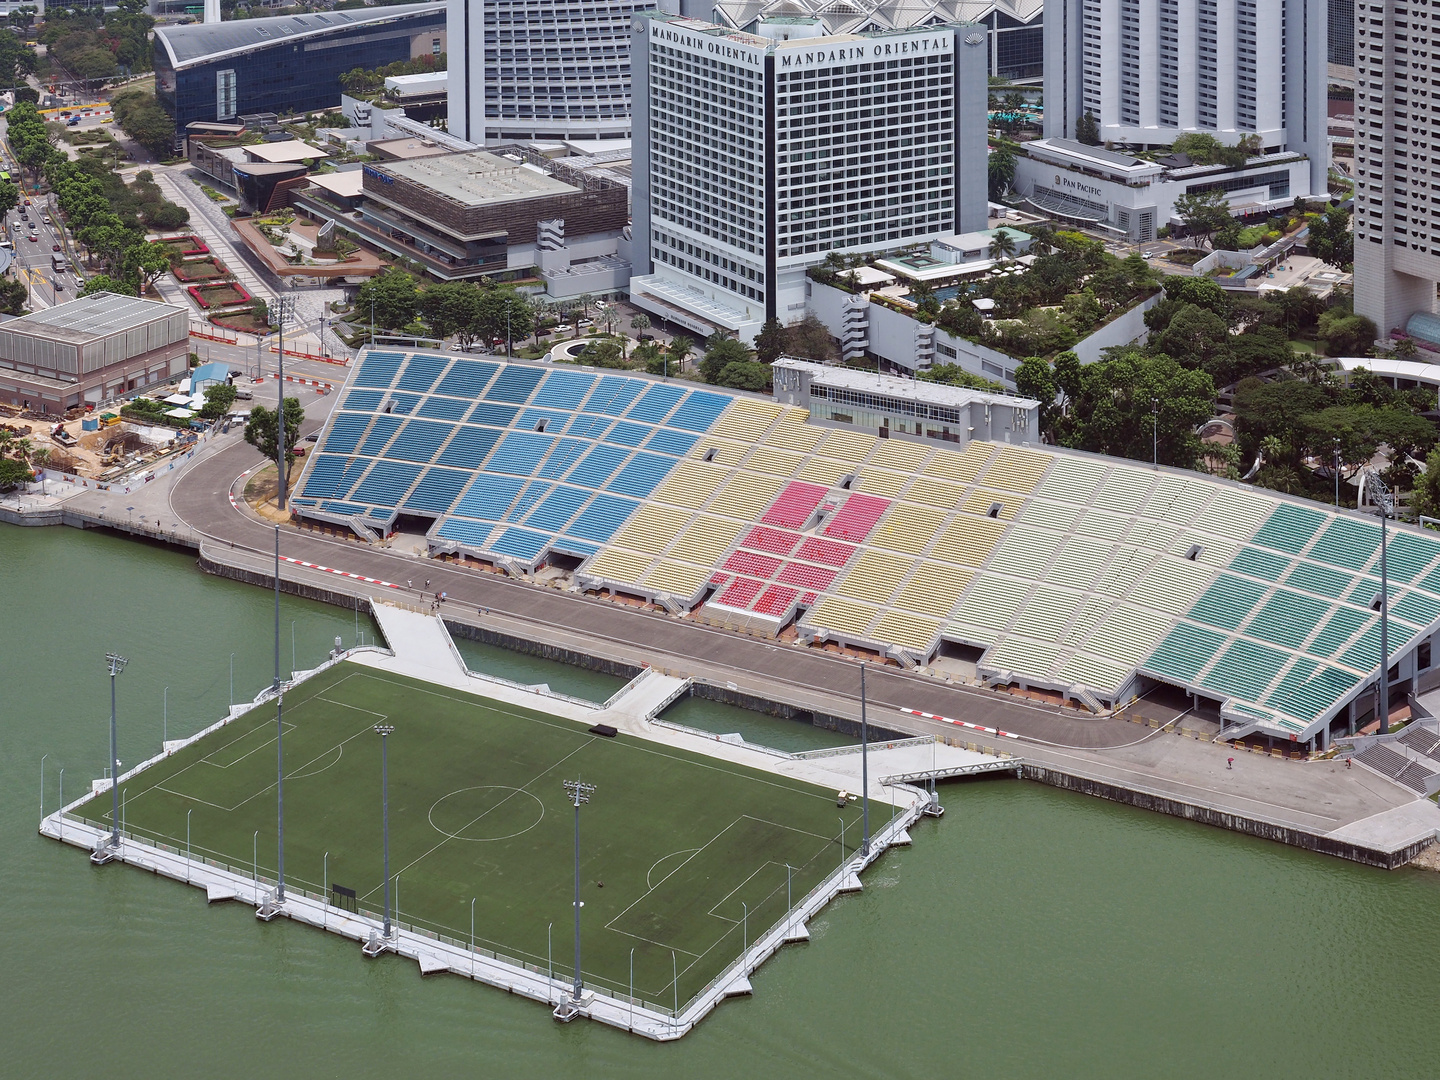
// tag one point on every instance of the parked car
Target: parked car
(583, 323)
(564, 328)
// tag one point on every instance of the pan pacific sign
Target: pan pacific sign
(1063, 181)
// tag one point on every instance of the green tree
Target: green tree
(393, 296)
(771, 342)
(1196, 337)
(218, 399)
(679, 350)
(452, 308)
(809, 339)
(640, 323)
(105, 283)
(1331, 239)
(1001, 170)
(14, 473)
(1203, 212)
(13, 295)
(262, 430)
(719, 351)
(955, 375)
(145, 120)
(651, 357)
(9, 196)
(146, 263)
(1425, 499)
(1035, 378)
(745, 375)
(1002, 246)
(1087, 130)
(1346, 334)
(602, 352)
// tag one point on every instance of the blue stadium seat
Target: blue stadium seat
(566, 545)
(552, 420)
(521, 543)
(627, 434)
(699, 411)
(532, 494)
(566, 453)
(520, 452)
(515, 383)
(564, 389)
(489, 497)
(403, 404)
(665, 441)
(354, 468)
(588, 427)
(346, 431)
(421, 372)
(444, 408)
(656, 403)
(362, 400)
(437, 490)
(474, 533)
(378, 370)
(469, 447)
(558, 508)
(324, 475)
(496, 415)
(343, 508)
(602, 518)
(386, 483)
(384, 427)
(467, 379)
(641, 475)
(419, 439)
(598, 465)
(614, 395)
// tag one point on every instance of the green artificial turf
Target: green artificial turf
(675, 847)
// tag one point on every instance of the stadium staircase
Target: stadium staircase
(1417, 771)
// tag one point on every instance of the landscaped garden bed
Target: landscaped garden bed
(222, 294)
(246, 320)
(211, 269)
(185, 245)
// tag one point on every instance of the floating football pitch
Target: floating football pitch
(679, 852)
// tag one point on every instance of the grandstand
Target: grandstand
(1089, 576)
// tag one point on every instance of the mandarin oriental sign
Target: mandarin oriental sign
(879, 49)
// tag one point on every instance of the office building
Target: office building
(1149, 71)
(1397, 165)
(91, 349)
(763, 151)
(284, 64)
(531, 71)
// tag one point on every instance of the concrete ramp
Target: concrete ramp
(420, 642)
(643, 698)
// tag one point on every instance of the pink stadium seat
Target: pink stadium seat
(747, 562)
(793, 506)
(857, 517)
(771, 540)
(809, 577)
(776, 601)
(828, 552)
(741, 592)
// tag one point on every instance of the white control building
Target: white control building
(756, 153)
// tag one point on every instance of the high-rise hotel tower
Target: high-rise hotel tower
(756, 153)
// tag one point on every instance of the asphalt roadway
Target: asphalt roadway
(201, 497)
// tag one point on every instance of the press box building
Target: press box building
(756, 153)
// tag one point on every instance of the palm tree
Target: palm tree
(1002, 246)
(1042, 241)
(678, 349)
(542, 309)
(7, 437)
(640, 323)
(610, 314)
(23, 448)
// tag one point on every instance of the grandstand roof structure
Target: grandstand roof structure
(1088, 575)
(871, 16)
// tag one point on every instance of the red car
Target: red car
(34, 239)
(56, 247)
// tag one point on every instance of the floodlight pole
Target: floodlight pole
(384, 730)
(279, 741)
(187, 844)
(283, 306)
(116, 663)
(864, 767)
(1381, 495)
(579, 794)
(472, 936)
(165, 718)
(1337, 472)
(1154, 431)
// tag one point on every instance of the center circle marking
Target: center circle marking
(486, 813)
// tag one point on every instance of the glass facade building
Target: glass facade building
(290, 63)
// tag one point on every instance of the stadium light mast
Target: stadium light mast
(283, 306)
(116, 664)
(864, 768)
(279, 739)
(384, 730)
(579, 795)
(1381, 495)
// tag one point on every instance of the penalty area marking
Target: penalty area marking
(683, 851)
(513, 791)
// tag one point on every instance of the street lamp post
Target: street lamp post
(864, 768)
(579, 795)
(116, 664)
(1381, 496)
(384, 730)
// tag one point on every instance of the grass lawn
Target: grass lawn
(223, 295)
(200, 270)
(675, 847)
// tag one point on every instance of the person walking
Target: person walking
(1229, 763)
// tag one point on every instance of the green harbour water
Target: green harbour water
(1028, 933)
